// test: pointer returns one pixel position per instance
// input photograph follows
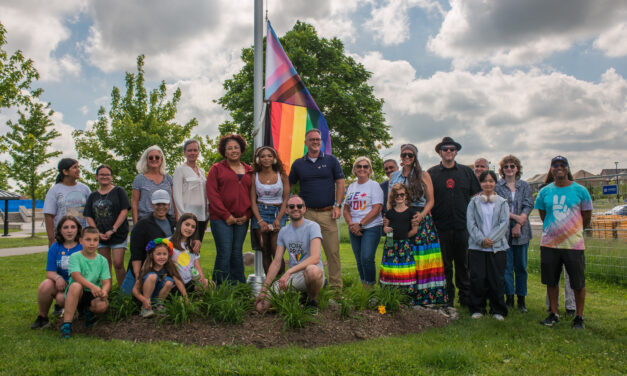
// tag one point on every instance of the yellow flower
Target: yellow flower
(382, 309)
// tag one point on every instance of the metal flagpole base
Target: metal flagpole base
(256, 280)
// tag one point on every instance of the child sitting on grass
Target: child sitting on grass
(187, 262)
(157, 277)
(67, 236)
(90, 282)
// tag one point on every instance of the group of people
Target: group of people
(443, 227)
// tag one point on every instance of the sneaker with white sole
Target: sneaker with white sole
(550, 320)
(147, 313)
(58, 310)
(578, 322)
(477, 315)
(498, 317)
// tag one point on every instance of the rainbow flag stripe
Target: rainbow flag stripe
(429, 266)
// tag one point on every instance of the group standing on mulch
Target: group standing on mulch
(444, 227)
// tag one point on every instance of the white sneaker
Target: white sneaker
(477, 315)
(498, 317)
(146, 313)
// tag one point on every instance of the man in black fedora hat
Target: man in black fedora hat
(453, 186)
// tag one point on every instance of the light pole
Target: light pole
(617, 184)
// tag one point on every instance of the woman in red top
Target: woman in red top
(228, 191)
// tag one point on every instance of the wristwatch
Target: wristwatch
(338, 205)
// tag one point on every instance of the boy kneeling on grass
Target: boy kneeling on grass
(89, 285)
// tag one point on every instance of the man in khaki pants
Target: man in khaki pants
(322, 188)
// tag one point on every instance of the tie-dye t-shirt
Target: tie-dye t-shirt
(184, 261)
(563, 223)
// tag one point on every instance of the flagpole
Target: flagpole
(257, 279)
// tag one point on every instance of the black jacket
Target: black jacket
(143, 232)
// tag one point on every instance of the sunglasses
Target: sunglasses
(292, 206)
(449, 149)
(388, 168)
(362, 166)
(399, 195)
(154, 157)
(407, 155)
(559, 164)
(510, 166)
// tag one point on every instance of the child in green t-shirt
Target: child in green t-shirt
(90, 282)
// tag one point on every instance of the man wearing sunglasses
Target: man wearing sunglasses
(302, 240)
(322, 188)
(453, 186)
(389, 167)
(565, 209)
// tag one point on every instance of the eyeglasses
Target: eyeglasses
(559, 164)
(399, 195)
(407, 155)
(104, 175)
(154, 157)
(292, 206)
(314, 139)
(362, 166)
(449, 149)
(388, 168)
(510, 166)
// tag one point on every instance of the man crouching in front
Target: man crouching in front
(302, 239)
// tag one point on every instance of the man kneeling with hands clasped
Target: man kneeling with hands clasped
(302, 239)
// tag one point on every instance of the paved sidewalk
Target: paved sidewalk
(23, 250)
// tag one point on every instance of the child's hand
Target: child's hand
(104, 295)
(60, 284)
(387, 229)
(386, 222)
(146, 304)
(204, 282)
(96, 291)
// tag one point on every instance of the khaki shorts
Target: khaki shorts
(297, 280)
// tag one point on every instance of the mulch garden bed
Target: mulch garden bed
(265, 331)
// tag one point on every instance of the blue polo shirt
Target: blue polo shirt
(317, 179)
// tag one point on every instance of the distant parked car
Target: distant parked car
(617, 210)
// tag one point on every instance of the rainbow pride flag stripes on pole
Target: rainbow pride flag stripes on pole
(292, 109)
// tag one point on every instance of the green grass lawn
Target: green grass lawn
(14, 242)
(519, 345)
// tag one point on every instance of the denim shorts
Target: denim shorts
(160, 283)
(114, 246)
(268, 213)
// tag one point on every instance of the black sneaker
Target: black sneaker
(40, 322)
(58, 310)
(578, 322)
(66, 330)
(570, 312)
(90, 318)
(312, 304)
(550, 320)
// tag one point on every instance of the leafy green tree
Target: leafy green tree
(28, 144)
(4, 176)
(136, 120)
(338, 84)
(16, 75)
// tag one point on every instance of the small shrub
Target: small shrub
(121, 306)
(178, 310)
(226, 303)
(390, 297)
(360, 297)
(324, 296)
(287, 305)
(348, 280)
(346, 307)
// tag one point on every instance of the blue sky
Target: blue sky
(535, 78)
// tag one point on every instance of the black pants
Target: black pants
(454, 246)
(487, 281)
(201, 227)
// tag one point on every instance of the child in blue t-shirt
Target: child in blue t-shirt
(90, 282)
(67, 235)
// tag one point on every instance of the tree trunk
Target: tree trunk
(33, 215)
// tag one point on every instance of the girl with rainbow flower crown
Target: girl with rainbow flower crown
(157, 277)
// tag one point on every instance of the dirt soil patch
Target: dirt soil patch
(267, 330)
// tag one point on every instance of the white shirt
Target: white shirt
(487, 209)
(361, 198)
(189, 191)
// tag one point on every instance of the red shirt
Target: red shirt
(227, 193)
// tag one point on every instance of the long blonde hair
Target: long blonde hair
(142, 164)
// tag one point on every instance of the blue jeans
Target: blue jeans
(365, 248)
(229, 257)
(516, 264)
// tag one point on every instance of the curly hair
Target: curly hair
(235, 137)
(393, 190)
(278, 166)
(510, 159)
(57, 232)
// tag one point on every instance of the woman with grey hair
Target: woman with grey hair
(152, 177)
(431, 283)
(189, 189)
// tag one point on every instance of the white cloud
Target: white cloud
(37, 28)
(513, 32)
(613, 41)
(531, 114)
(390, 22)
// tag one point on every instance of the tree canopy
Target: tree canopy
(136, 120)
(16, 75)
(337, 83)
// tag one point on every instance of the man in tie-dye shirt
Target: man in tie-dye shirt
(565, 208)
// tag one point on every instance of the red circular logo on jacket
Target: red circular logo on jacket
(450, 184)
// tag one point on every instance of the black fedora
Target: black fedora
(447, 141)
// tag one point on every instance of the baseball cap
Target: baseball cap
(559, 158)
(160, 197)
